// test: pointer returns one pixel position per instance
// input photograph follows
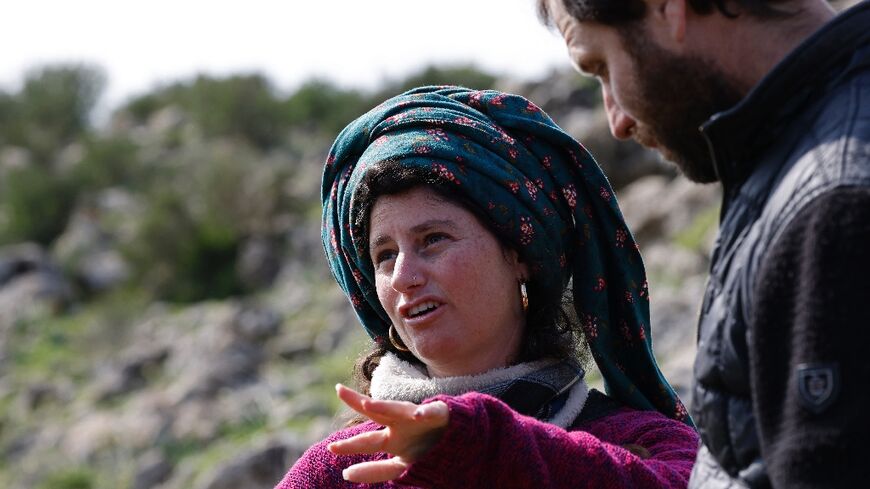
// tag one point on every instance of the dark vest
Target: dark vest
(792, 138)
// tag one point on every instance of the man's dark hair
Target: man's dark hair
(621, 12)
(552, 329)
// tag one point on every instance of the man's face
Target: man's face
(652, 95)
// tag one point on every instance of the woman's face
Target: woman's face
(450, 289)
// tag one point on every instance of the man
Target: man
(771, 99)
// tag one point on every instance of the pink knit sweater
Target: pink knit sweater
(487, 444)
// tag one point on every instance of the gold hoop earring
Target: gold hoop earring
(396, 342)
(524, 294)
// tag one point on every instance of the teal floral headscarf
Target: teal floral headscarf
(537, 185)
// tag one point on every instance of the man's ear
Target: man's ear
(670, 15)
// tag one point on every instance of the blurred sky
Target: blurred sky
(356, 43)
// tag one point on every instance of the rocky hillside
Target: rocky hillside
(166, 317)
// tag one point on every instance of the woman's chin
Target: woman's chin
(438, 352)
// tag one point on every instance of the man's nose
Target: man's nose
(622, 125)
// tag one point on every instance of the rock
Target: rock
(89, 246)
(153, 469)
(12, 157)
(260, 469)
(39, 394)
(257, 324)
(332, 336)
(166, 120)
(645, 221)
(306, 407)
(132, 373)
(91, 433)
(293, 350)
(259, 262)
(302, 377)
(215, 346)
(70, 157)
(104, 270)
(658, 208)
(138, 425)
(196, 419)
(19, 445)
(31, 286)
(559, 93)
(19, 259)
(291, 291)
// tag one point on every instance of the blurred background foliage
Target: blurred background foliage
(164, 302)
(211, 170)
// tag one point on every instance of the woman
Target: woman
(454, 220)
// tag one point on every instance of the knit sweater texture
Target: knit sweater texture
(487, 444)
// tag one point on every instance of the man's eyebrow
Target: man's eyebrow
(419, 228)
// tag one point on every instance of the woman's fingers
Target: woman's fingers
(377, 471)
(381, 412)
(352, 398)
(371, 442)
(410, 431)
(435, 414)
(399, 410)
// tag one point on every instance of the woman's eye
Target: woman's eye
(383, 256)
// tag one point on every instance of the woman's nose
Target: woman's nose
(407, 273)
(622, 125)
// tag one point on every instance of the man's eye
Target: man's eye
(434, 238)
(593, 68)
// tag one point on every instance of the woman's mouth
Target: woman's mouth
(422, 309)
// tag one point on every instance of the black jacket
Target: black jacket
(782, 377)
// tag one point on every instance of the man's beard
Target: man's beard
(675, 96)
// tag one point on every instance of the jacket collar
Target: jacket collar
(834, 51)
(549, 390)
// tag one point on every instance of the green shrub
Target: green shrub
(200, 213)
(464, 75)
(320, 106)
(52, 109)
(110, 162)
(181, 258)
(78, 478)
(36, 203)
(238, 106)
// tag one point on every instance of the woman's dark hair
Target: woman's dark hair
(552, 329)
(623, 12)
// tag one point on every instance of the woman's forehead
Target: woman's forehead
(414, 208)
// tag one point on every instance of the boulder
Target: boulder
(31, 286)
(152, 470)
(259, 262)
(12, 157)
(89, 246)
(258, 469)
(132, 371)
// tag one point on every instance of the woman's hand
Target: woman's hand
(411, 430)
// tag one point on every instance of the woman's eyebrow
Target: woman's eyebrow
(419, 228)
(433, 223)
